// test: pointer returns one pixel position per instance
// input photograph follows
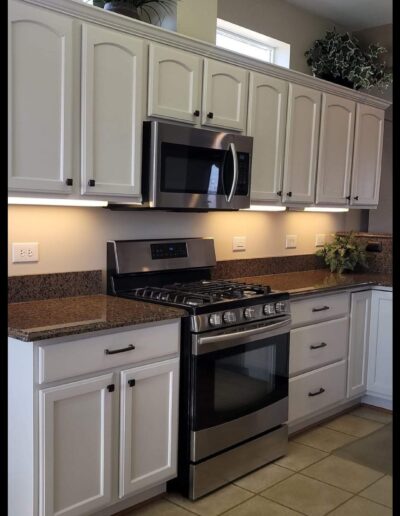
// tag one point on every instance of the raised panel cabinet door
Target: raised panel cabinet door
(112, 76)
(75, 425)
(225, 89)
(267, 125)
(335, 150)
(148, 426)
(358, 343)
(174, 84)
(367, 158)
(40, 107)
(302, 131)
(380, 361)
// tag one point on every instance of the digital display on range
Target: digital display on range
(170, 250)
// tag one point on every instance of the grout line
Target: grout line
(181, 507)
(340, 505)
(374, 501)
(241, 503)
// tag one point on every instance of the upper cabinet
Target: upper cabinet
(267, 124)
(40, 100)
(302, 131)
(368, 141)
(112, 75)
(335, 150)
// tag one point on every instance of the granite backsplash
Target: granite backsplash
(377, 261)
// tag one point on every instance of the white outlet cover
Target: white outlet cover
(319, 240)
(291, 241)
(239, 243)
(25, 252)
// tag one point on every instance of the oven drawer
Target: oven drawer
(314, 346)
(313, 391)
(316, 309)
(87, 355)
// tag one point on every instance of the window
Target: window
(253, 44)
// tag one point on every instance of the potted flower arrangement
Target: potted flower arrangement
(339, 58)
(139, 9)
(343, 253)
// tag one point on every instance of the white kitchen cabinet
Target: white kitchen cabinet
(149, 417)
(380, 352)
(174, 84)
(40, 82)
(75, 438)
(301, 147)
(335, 150)
(267, 125)
(358, 343)
(225, 89)
(112, 88)
(368, 141)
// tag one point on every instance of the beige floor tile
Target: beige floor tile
(374, 415)
(263, 478)
(342, 473)
(159, 507)
(353, 425)
(358, 506)
(300, 456)
(215, 503)
(306, 495)
(259, 506)
(323, 438)
(381, 491)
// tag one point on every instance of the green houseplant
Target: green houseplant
(147, 10)
(339, 58)
(343, 253)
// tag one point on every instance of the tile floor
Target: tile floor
(307, 481)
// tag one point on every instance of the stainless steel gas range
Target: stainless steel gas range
(234, 357)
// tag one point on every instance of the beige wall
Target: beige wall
(197, 19)
(279, 20)
(74, 239)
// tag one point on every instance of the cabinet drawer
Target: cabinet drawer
(318, 308)
(316, 390)
(73, 358)
(317, 345)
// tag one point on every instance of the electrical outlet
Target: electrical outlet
(25, 252)
(291, 241)
(239, 243)
(319, 240)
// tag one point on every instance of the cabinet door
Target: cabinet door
(358, 343)
(40, 81)
(267, 124)
(174, 84)
(380, 363)
(75, 447)
(335, 150)
(224, 95)
(368, 141)
(301, 144)
(149, 421)
(112, 75)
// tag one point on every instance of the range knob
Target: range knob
(280, 307)
(229, 317)
(269, 309)
(215, 320)
(249, 313)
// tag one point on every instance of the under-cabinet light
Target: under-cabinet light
(326, 209)
(265, 207)
(56, 202)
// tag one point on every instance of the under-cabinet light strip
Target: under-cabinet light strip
(264, 207)
(326, 209)
(56, 202)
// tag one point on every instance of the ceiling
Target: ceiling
(350, 14)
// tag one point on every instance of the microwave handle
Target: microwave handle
(232, 148)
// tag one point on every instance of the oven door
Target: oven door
(239, 384)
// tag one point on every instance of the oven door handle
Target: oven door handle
(232, 148)
(202, 345)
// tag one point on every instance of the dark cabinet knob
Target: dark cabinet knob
(111, 387)
(289, 194)
(356, 197)
(92, 182)
(196, 113)
(279, 193)
(131, 383)
(348, 197)
(69, 182)
(210, 115)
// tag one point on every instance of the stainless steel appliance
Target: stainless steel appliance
(189, 168)
(234, 357)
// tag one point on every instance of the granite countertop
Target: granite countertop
(319, 280)
(49, 318)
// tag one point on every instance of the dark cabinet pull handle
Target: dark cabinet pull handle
(289, 194)
(316, 393)
(131, 383)
(111, 388)
(115, 351)
(356, 197)
(69, 182)
(210, 115)
(348, 197)
(92, 182)
(279, 192)
(196, 113)
(320, 309)
(322, 345)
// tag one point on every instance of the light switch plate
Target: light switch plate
(319, 240)
(291, 241)
(239, 243)
(25, 252)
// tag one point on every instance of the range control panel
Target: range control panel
(164, 251)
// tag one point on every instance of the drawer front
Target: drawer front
(87, 355)
(314, 346)
(313, 391)
(319, 308)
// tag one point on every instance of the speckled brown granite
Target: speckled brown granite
(48, 286)
(38, 320)
(377, 262)
(309, 282)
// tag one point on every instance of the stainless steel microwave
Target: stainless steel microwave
(188, 168)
